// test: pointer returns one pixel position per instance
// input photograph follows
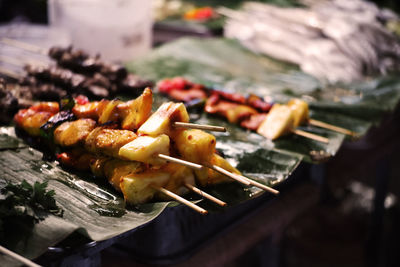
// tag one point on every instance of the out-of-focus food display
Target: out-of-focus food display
(251, 112)
(335, 41)
(75, 73)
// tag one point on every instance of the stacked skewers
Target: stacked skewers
(252, 112)
(143, 155)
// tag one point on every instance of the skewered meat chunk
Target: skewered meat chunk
(72, 133)
(239, 112)
(258, 103)
(33, 118)
(234, 112)
(161, 121)
(108, 141)
(88, 110)
(253, 122)
(135, 112)
(145, 149)
(278, 122)
(196, 146)
(300, 111)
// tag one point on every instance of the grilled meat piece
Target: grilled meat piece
(108, 141)
(73, 133)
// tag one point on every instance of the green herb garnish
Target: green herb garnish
(26, 204)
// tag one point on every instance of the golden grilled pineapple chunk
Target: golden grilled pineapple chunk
(115, 169)
(216, 177)
(300, 111)
(196, 146)
(279, 121)
(108, 111)
(141, 187)
(145, 149)
(161, 120)
(135, 112)
(179, 176)
(72, 133)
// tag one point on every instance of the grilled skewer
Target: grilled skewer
(153, 131)
(98, 139)
(250, 112)
(136, 174)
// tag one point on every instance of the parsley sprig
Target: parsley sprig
(26, 203)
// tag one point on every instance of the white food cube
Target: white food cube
(145, 149)
(141, 187)
(279, 121)
(161, 121)
(300, 111)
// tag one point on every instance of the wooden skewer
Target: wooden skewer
(199, 126)
(181, 200)
(310, 136)
(206, 195)
(18, 257)
(239, 178)
(234, 176)
(262, 186)
(332, 127)
(181, 161)
(9, 73)
(24, 45)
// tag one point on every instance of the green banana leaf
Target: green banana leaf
(93, 209)
(225, 64)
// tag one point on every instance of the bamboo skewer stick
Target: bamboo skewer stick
(181, 200)
(311, 136)
(331, 127)
(234, 176)
(239, 178)
(206, 195)
(181, 161)
(24, 45)
(262, 186)
(199, 126)
(18, 257)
